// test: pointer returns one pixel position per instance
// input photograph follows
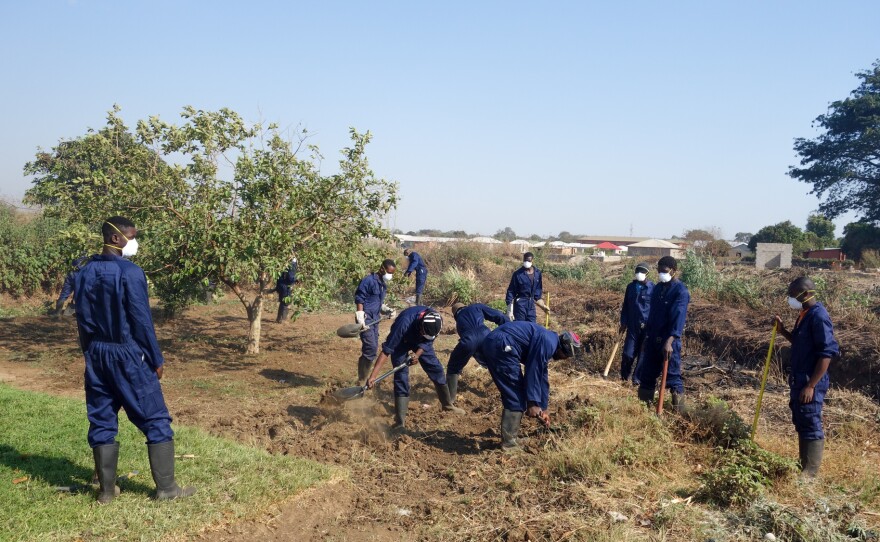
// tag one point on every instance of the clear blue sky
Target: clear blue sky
(542, 116)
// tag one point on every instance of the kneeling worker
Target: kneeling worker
(413, 331)
(527, 389)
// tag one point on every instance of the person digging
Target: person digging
(517, 355)
(812, 347)
(414, 331)
(470, 323)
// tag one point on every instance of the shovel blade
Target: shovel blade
(349, 331)
(346, 394)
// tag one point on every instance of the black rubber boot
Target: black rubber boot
(418, 299)
(401, 405)
(452, 384)
(811, 457)
(162, 467)
(510, 422)
(446, 399)
(646, 396)
(626, 364)
(678, 403)
(106, 459)
(364, 366)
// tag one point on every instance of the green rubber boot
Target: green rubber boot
(106, 460)
(162, 466)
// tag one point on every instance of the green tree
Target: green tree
(858, 237)
(743, 237)
(822, 227)
(783, 232)
(236, 202)
(507, 234)
(718, 248)
(843, 163)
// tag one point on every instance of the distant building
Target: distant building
(654, 248)
(826, 254)
(773, 256)
(616, 240)
(739, 250)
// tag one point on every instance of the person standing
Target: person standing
(633, 318)
(517, 356)
(417, 266)
(123, 362)
(411, 341)
(525, 291)
(663, 332)
(284, 286)
(812, 347)
(471, 327)
(369, 299)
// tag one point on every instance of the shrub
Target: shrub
(871, 259)
(33, 257)
(456, 285)
(742, 473)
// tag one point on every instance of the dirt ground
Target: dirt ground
(421, 485)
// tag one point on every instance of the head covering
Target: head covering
(457, 307)
(642, 267)
(432, 323)
(568, 341)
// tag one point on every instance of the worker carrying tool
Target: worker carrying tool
(410, 341)
(123, 361)
(470, 323)
(663, 331)
(417, 266)
(812, 347)
(517, 355)
(525, 291)
(369, 299)
(633, 318)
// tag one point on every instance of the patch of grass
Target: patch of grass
(743, 473)
(44, 443)
(456, 285)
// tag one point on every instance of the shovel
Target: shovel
(350, 331)
(663, 383)
(356, 392)
(611, 359)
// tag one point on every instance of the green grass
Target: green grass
(43, 438)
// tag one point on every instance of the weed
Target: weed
(743, 473)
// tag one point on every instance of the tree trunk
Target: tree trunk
(255, 314)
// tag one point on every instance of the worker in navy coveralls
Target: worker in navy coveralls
(369, 299)
(413, 331)
(633, 318)
(471, 327)
(123, 362)
(665, 327)
(517, 355)
(283, 286)
(525, 291)
(812, 347)
(417, 266)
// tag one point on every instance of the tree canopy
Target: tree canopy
(843, 163)
(222, 200)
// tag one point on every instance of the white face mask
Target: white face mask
(387, 277)
(665, 277)
(641, 277)
(429, 337)
(527, 264)
(795, 304)
(130, 248)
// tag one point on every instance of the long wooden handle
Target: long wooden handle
(611, 359)
(763, 381)
(663, 383)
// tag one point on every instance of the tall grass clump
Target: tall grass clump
(457, 285)
(699, 273)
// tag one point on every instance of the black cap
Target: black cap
(643, 267)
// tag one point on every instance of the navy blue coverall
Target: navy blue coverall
(284, 283)
(417, 266)
(666, 318)
(812, 339)
(371, 294)
(471, 328)
(514, 344)
(121, 352)
(523, 291)
(404, 337)
(634, 317)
